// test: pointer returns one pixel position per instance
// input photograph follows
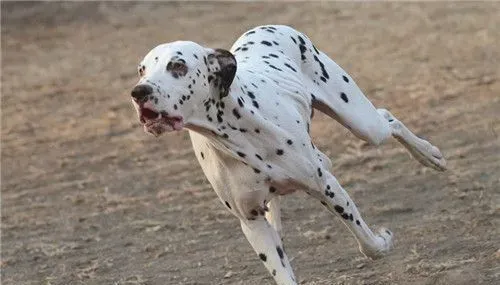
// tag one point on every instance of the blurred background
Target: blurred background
(89, 198)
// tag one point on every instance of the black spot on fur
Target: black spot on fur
(241, 154)
(302, 49)
(280, 252)
(302, 42)
(227, 204)
(339, 209)
(323, 69)
(319, 172)
(263, 257)
(266, 43)
(202, 155)
(272, 66)
(290, 142)
(258, 156)
(236, 113)
(345, 78)
(272, 189)
(289, 66)
(358, 223)
(344, 97)
(279, 152)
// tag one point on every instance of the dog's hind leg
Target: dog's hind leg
(422, 150)
(335, 93)
(377, 125)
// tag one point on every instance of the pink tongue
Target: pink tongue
(178, 125)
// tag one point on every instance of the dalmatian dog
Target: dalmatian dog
(248, 112)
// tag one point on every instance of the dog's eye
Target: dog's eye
(177, 68)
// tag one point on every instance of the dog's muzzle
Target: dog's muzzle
(154, 121)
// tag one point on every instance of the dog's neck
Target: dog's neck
(217, 115)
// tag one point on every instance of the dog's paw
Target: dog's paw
(425, 153)
(429, 155)
(384, 244)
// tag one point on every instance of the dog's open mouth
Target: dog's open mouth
(157, 123)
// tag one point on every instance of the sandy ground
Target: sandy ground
(88, 198)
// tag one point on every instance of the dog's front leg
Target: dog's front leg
(267, 244)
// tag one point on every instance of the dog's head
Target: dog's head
(175, 80)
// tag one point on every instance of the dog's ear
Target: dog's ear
(222, 69)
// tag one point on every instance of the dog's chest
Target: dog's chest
(262, 135)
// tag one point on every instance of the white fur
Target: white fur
(266, 150)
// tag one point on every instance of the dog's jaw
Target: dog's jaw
(157, 122)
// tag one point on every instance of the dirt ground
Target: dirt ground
(89, 198)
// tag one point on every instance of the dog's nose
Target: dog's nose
(141, 91)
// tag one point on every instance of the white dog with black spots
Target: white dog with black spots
(248, 112)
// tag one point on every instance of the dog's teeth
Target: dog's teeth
(159, 116)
